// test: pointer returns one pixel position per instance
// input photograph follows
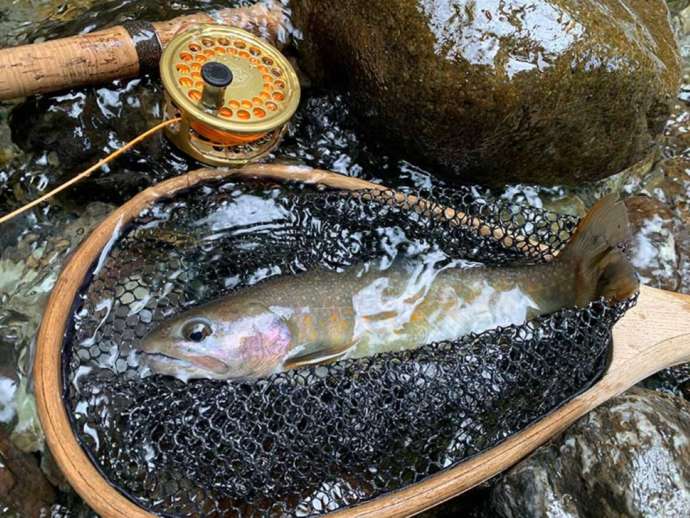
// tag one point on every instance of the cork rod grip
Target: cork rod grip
(59, 64)
(114, 53)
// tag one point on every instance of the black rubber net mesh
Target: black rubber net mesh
(316, 439)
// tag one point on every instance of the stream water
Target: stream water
(46, 139)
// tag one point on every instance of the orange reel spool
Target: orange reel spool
(228, 139)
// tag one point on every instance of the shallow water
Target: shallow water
(45, 140)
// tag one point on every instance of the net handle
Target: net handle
(636, 354)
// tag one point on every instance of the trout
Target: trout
(324, 316)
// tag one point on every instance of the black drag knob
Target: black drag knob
(216, 74)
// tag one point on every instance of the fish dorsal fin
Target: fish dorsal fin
(316, 353)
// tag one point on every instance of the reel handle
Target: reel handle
(217, 77)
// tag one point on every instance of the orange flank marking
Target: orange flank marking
(308, 329)
(414, 298)
(418, 315)
(381, 316)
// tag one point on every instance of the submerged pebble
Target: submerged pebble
(28, 271)
(653, 247)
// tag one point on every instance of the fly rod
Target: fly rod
(118, 52)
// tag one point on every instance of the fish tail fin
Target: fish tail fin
(601, 269)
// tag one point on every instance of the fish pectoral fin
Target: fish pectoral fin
(314, 354)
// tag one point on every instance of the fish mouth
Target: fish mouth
(165, 364)
(155, 360)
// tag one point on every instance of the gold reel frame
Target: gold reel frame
(637, 354)
(187, 140)
(253, 109)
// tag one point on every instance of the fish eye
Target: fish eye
(196, 330)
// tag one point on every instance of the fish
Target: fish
(320, 316)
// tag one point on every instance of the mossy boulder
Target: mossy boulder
(541, 91)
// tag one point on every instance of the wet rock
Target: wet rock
(653, 248)
(538, 91)
(669, 183)
(674, 186)
(65, 133)
(675, 380)
(677, 6)
(23, 488)
(53, 473)
(630, 457)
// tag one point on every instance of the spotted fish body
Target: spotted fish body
(322, 316)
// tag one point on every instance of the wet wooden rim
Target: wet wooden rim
(639, 351)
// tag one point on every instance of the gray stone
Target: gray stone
(653, 247)
(628, 458)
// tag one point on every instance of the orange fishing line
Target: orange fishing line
(86, 173)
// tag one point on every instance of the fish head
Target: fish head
(214, 341)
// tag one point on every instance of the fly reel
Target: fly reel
(234, 94)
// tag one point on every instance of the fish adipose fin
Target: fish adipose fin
(601, 269)
(316, 354)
